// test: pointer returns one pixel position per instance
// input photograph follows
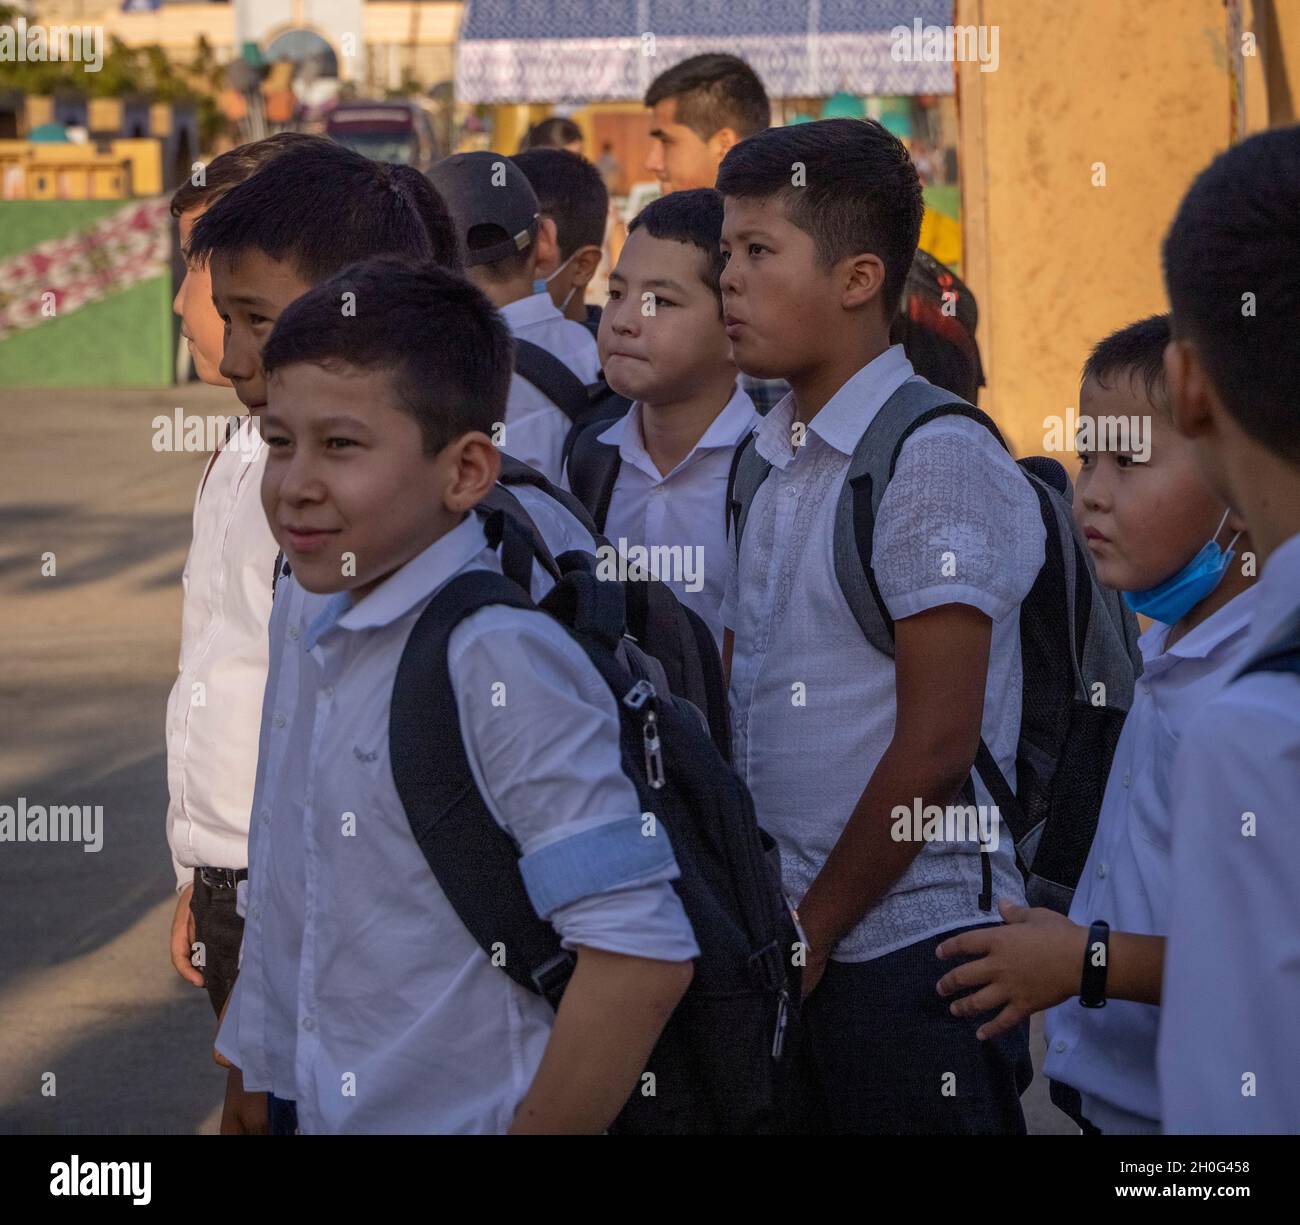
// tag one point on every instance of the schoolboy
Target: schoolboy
(1226, 1055)
(830, 733)
(663, 345)
(571, 193)
(504, 240)
(1147, 514)
(355, 963)
(213, 707)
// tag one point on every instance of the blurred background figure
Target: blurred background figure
(554, 132)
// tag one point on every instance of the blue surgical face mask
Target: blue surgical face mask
(1169, 602)
(543, 285)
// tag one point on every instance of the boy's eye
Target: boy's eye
(755, 247)
(614, 294)
(275, 440)
(1085, 457)
(663, 301)
(1124, 461)
(726, 255)
(258, 320)
(337, 444)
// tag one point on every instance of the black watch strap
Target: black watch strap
(1096, 955)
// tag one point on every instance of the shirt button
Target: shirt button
(265, 814)
(1145, 687)
(1128, 778)
(293, 631)
(1060, 1046)
(1101, 871)
(309, 1023)
(257, 912)
(278, 720)
(327, 690)
(790, 490)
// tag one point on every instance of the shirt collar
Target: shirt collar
(524, 312)
(737, 419)
(1232, 619)
(844, 418)
(1279, 590)
(402, 590)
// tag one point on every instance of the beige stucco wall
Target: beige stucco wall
(1054, 261)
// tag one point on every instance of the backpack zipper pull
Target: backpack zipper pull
(642, 697)
(782, 1016)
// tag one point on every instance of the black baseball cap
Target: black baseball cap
(487, 188)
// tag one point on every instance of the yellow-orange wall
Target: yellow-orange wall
(1056, 263)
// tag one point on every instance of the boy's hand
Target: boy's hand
(244, 1114)
(1033, 961)
(183, 939)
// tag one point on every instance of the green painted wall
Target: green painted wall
(124, 340)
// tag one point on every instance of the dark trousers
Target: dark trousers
(882, 1055)
(219, 930)
(281, 1116)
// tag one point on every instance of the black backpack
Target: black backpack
(593, 466)
(1078, 642)
(578, 401)
(664, 628)
(722, 1062)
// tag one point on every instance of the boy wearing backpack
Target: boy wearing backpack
(833, 734)
(361, 987)
(504, 239)
(1226, 1054)
(1147, 513)
(657, 477)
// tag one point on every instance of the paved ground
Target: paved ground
(86, 989)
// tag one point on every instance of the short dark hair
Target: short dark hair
(320, 206)
(571, 192)
(1134, 352)
(228, 170)
(448, 351)
(554, 132)
(1237, 232)
(862, 192)
(693, 217)
(714, 91)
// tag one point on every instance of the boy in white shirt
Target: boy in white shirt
(1227, 1061)
(1147, 515)
(831, 733)
(658, 476)
(503, 239)
(362, 997)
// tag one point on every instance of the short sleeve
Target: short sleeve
(959, 524)
(542, 735)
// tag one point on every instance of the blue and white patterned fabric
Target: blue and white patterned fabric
(576, 51)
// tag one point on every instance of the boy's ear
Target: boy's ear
(1189, 389)
(864, 279)
(584, 264)
(473, 464)
(721, 141)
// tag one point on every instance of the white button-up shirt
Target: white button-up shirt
(535, 428)
(1109, 1054)
(1226, 1056)
(361, 995)
(813, 701)
(215, 704)
(685, 509)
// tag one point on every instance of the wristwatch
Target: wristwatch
(1096, 954)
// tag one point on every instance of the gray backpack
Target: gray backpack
(1078, 646)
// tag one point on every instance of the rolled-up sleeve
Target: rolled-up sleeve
(541, 732)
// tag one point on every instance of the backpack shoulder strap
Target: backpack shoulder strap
(1280, 654)
(914, 404)
(552, 378)
(592, 468)
(748, 471)
(475, 862)
(516, 472)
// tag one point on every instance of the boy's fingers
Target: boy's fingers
(985, 1000)
(967, 943)
(1004, 1022)
(968, 974)
(1011, 913)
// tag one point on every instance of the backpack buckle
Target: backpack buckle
(767, 967)
(551, 977)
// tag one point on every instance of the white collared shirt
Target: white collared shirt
(1226, 1056)
(361, 995)
(215, 704)
(686, 509)
(536, 428)
(1109, 1053)
(813, 702)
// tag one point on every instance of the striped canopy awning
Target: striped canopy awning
(577, 51)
